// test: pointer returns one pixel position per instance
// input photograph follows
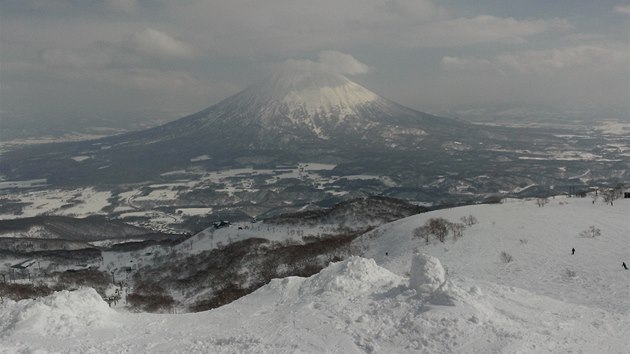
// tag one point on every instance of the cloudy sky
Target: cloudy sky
(157, 59)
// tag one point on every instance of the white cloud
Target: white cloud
(127, 6)
(342, 63)
(577, 76)
(82, 42)
(76, 59)
(136, 48)
(465, 63)
(248, 28)
(156, 43)
(623, 9)
(328, 61)
(47, 5)
(595, 57)
(413, 9)
(483, 29)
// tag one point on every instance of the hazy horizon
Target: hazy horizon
(136, 62)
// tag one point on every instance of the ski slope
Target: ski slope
(462, 298)
(540, 240)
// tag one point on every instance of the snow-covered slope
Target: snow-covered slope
(453, 297)
(539, 239)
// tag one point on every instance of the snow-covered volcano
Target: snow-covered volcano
(295, 114)
(300, 94)
(316, 102)
(297, 104)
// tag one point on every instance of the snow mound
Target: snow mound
(427, 274)
(63, 313)
(428, 279)
(351, 277)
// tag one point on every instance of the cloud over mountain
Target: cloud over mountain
(226, 44)
(342, 63)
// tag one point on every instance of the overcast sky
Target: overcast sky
(159, 58)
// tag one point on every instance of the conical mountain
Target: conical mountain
(301, 105)
(296, 112)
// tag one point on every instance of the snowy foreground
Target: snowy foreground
(401, 296)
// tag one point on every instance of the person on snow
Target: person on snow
(623, 264)
(572, 251)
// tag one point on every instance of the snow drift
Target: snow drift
(62, 314)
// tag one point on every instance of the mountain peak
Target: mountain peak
(296, 90)
(295, 76)
(302, 101)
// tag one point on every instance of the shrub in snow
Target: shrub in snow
(506, 257)
(427, 274)
(592, 231)
(469, 220)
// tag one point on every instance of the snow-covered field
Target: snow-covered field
(80, 202)
(140, 201)
(462, 297)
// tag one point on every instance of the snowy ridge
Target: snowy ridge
(353, 306)
(407, 297)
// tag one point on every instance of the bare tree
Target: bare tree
(438, 227)
(422, 232)
(457, 229)
(610, 194)
(469, 220)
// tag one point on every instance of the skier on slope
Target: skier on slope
(572, 251)
(623, 264)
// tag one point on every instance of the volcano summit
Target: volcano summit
(296, 107)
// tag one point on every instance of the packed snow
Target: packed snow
(400, 296)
